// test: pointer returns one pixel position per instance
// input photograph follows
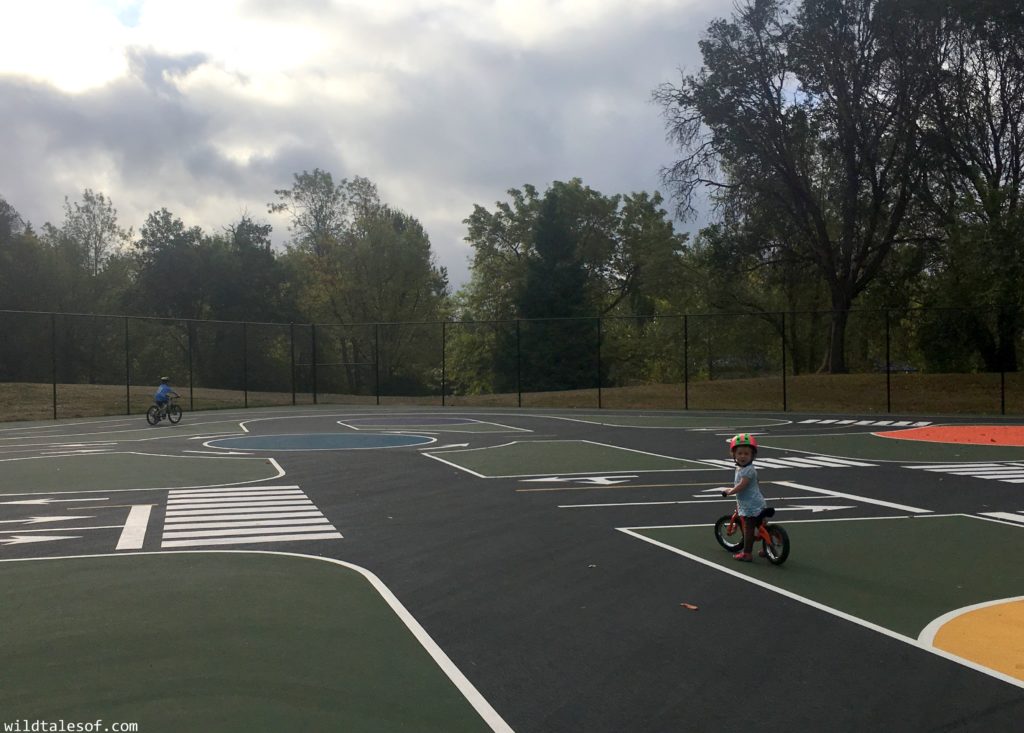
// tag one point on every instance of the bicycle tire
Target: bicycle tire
(778, 550)
(724, 538)
(153, 415)
(174, 414)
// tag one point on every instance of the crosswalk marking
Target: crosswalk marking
(197, 517)
(879, 423)
(1018, 518)
(1009, 472)
(792, 462)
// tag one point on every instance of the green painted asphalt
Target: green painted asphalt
(108, 471)
(900, 574)
(215, 641)
(531, 458)
(872, 448)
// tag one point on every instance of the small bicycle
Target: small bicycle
(171, 411)
(774, 539)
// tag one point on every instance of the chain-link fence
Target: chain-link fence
(907, 361)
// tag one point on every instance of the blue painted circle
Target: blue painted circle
(320, 441)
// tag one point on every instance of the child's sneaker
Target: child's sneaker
(743, 557)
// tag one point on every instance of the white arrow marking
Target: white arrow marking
(450, 445)
(40, 520)
(52, 501)
(21, 539)
(814, 508)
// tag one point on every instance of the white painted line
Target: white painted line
(224, 516)
(826, 422)
(807, 421)
(309, 506)
(865, 499)
(1005, 515)
(901, 423)
(472, 695)
(241, 506)
(840, 462)
(255, 532)
(230, 489)
(687, 501)
(864, 422)
(233, 500)
(246, 523)
(927, 636)
(134, 532)
(251, 540)
(833, 611)
(800, 462)
(920, 424)
(62, 529)
(265, 496)
(845, 422)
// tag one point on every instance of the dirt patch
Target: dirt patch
(962, 434)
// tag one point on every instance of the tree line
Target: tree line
(854, 153)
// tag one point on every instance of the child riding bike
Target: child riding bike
(163, 395)
(749, 499)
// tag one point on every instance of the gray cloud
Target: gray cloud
(452, 121)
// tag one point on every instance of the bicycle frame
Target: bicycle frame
(760, 532)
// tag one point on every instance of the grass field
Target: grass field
(978, 394)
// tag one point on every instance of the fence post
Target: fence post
(444, 336)
(245, 365)
(127, 372)
(313, 331)
(53, 359)
(784, 402)
(291, 337)
(376, 359)
(686, 362)
(888, 366)
(519, 368)
(599, 363)
(191, 390)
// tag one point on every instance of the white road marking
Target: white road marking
(854, 497)
(134, 533)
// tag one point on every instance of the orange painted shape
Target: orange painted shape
(992, 636)
(962, 434)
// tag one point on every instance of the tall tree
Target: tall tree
(809, 111)
(975, 134)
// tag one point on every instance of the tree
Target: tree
(974, 123)
(809, 112)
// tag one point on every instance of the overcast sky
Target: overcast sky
(206, 107)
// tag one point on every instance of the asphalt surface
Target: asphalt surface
(562, 622)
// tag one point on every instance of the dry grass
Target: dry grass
(923, 394)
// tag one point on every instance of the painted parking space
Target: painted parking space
(895, 574)
(319, 441)
(124, 471)
(540, 457)
(429, 423)
(257, 658)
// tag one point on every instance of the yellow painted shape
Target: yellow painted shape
(992, 636)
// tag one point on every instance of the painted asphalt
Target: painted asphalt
(559, 620)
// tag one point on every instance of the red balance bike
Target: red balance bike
(774, 539)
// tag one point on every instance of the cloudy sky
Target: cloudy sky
(205, 107)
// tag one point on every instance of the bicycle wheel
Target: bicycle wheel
(153, 415)
(733, 541)
(778, 550)
(174, 414)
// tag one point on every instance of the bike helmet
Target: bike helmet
(165, 379)
(742, 439)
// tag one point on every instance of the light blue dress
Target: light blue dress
(750, 501)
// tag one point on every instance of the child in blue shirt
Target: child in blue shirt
(749, 499)
(164, 393)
